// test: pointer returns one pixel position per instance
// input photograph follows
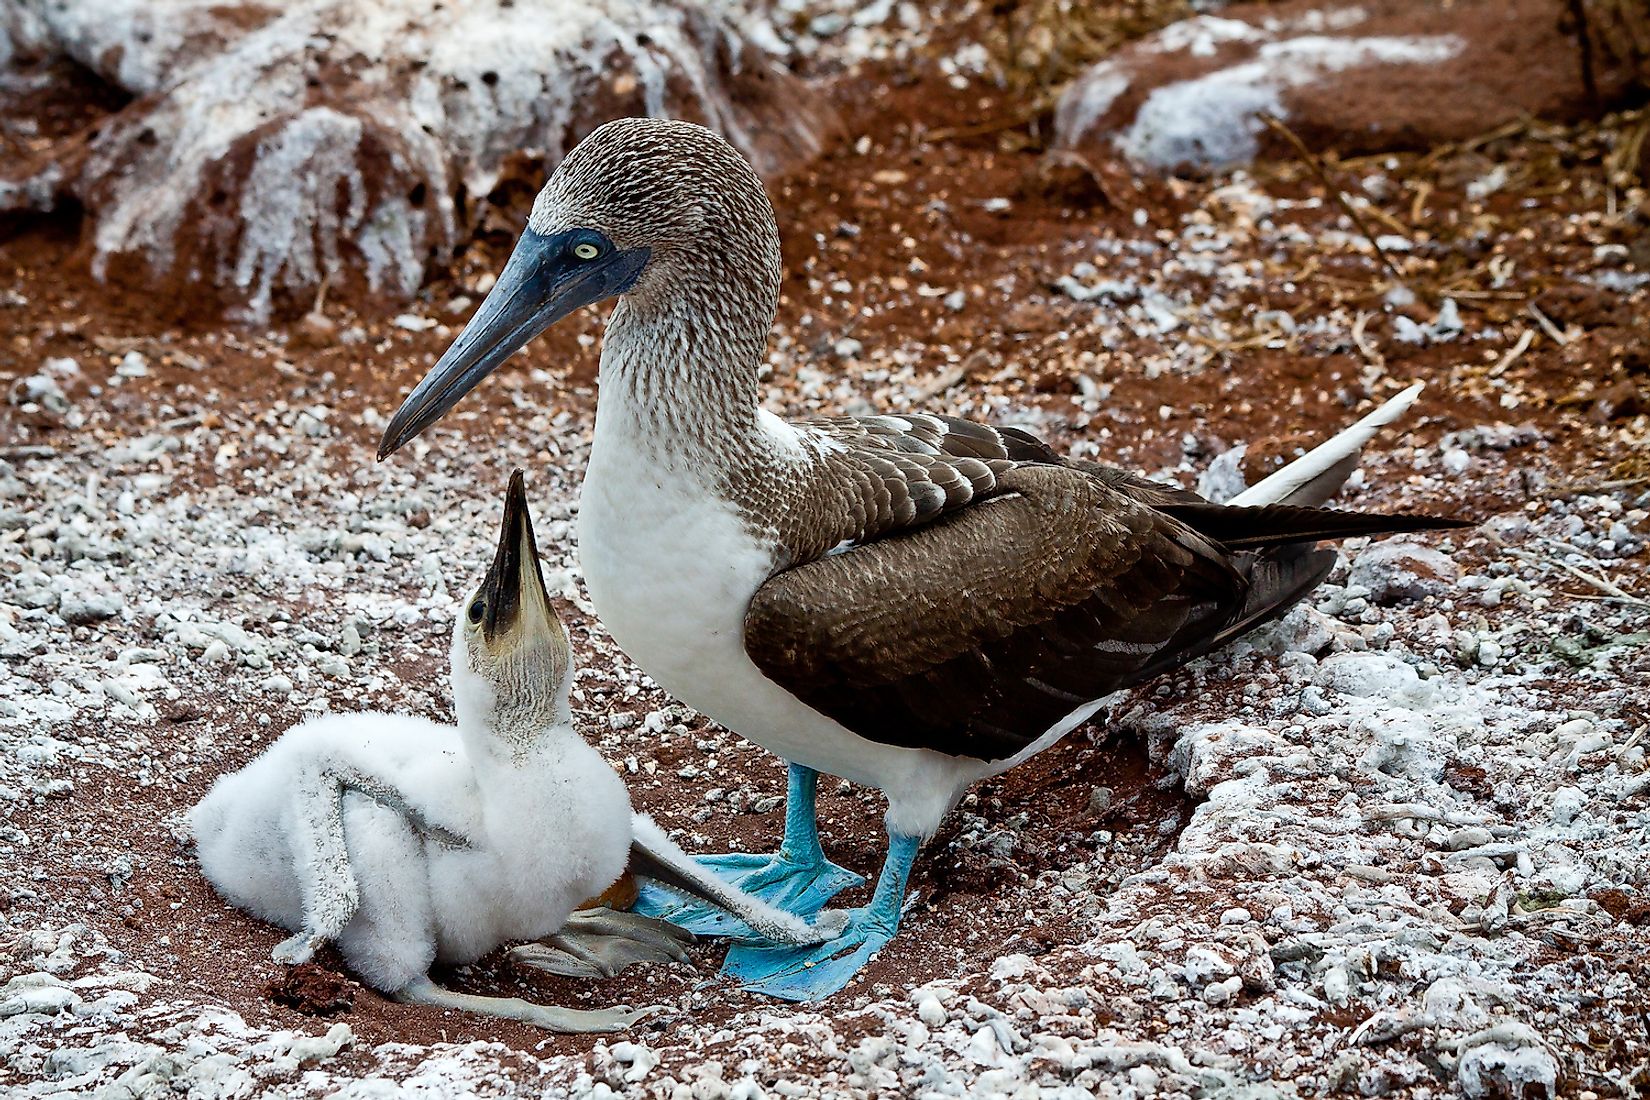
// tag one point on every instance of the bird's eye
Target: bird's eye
(476, 611)
(584, 250)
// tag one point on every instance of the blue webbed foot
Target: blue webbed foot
(811, 973)
(796, 886)
(815, 972)
(797, 879)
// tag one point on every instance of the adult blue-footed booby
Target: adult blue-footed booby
(912, 602)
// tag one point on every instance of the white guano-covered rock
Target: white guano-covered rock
(1364, 77)
(275, 148)
(1402, 572)
(42, 993)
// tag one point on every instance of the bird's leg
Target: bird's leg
(425, 992)
(327, 882)
(813, 973)
(598, 943)
(797, 879)
(355, 781)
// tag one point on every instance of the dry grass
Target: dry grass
(1039, 46)
(1622, 30)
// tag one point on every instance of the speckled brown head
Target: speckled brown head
(665, 214)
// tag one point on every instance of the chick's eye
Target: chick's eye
(476, 610)
(584, 250)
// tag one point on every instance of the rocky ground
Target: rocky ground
(1396, 844)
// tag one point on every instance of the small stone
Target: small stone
(1337, 984)
(930, 1011)
(1402, 572)
(314, 330)
(1204, 965)
(827, 24)
(1470, 836)
(1221, 993)
(331, 664)
(41, 391)
(1100, 800)
(278, 684)
(90, 607)
(1567, 804)
(1573, 730)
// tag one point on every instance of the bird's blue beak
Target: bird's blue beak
(543, 282)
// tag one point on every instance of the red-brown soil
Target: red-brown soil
(866, 218)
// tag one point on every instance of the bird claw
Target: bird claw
(599, 943)
(298, 948)
(810, 973)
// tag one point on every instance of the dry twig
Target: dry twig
(1547, 325)
(1525, 339)
(1335, 193)
(1602, 584)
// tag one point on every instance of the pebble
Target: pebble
(1399, 572)
(42, 391)
(1224, 992)
(1568, 803)
(1573, 730)
(1471, 836)
(81, 607)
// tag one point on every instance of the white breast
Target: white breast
(671, 569)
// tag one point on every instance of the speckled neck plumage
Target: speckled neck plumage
(690, 383)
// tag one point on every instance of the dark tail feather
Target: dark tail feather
(1278, 580)
(1238, 528)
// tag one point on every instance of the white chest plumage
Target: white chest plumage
(671, 568)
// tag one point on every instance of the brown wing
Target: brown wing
(883, 475)
(976, 634)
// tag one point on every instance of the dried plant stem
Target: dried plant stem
(1602, 584)
(1584, 43)
(1518, 349)
(1547, 325)
(1335, 193)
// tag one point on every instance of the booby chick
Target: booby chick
(408, 842)
(912, 602)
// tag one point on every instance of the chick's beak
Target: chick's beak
(513, 591)
(542, 282)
